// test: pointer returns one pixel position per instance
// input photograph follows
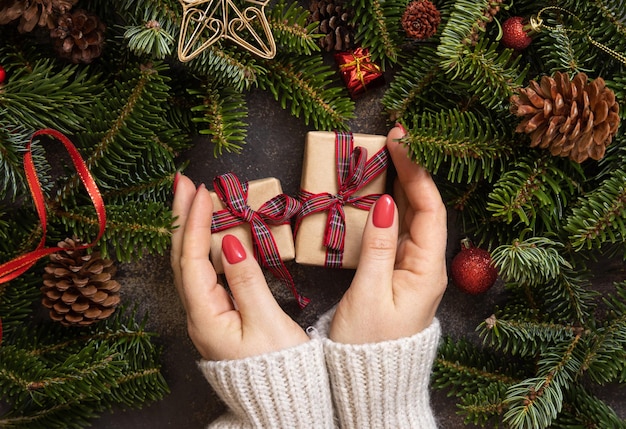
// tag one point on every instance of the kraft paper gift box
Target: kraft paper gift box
(259, 192)
(319, 175)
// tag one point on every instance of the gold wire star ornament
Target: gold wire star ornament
(207, 21)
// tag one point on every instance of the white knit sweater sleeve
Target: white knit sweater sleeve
(284, 389)
(382, 385)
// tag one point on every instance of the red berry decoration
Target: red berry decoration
(3, 75)
(514, 34)
(472, 270)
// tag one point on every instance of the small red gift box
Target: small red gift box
(358, 72)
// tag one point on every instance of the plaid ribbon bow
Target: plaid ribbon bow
(277, 211)
(354, 171)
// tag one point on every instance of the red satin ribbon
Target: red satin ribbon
(16, 267)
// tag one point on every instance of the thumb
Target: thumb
(378, 249)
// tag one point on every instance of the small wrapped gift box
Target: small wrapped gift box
(258, 193)
(259, 214)
(358, 72)
(342, 176)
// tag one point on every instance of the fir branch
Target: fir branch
(16, 300)
(536, 189)
(461, 368)
(227, 66)
(45, 96)
(468, 148)
(535, 403)
(456, 35)
(534, 261)
(481, 407)
(377, 26)
(606, 353)
(523, 337)
(306, 85)
(592, 413)
(492, 73)
(291, 29)
(13, 140)
(220, 115)
(601, 216)
(132, 229)
(409, 90)
(149, 39)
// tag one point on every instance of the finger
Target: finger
(378, 249)
(247, 283)
(184, 193)
(428, 226)
(202, 294)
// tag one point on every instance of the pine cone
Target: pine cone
(575, 119)
(79, 36)
(421, 19)
(78, 287)
(33, 12)
(334, 23)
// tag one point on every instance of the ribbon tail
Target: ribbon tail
(266, 252)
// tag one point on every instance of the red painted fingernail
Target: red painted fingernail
(399, 125)
(383, 212)
(176, 177)
(233, 250)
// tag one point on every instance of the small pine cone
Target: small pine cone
(334, 23)
(421, 19)
(78, 288)
(42, 13)
(79, 36)
(576, 119)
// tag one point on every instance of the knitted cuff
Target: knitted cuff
(284, 389)
(384, 385)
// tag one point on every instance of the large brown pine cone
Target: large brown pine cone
(42, 13)
(575, 119)
(78, 288)
(79, 36)
(334, 23)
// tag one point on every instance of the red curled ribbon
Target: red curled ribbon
(277, 211)
(354, 171)
(16, 267)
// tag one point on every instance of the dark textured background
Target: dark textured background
(274, 149)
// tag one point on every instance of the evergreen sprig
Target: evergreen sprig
(309, 88)
(457, 32)
(58, 379)
(292, 30)
(377, 26)
(220, 115)
(457, 142)
(41, 95)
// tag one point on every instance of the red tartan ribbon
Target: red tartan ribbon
(16, 267)
(354, 171)
(277, 211)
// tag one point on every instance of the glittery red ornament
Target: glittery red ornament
(3, 75)
(514, 34)
(472, 270)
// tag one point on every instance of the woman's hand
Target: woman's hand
(218, 328)
(401, 275)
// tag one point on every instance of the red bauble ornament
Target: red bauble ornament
(514, 34)
(472, 270)
(3, 75)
